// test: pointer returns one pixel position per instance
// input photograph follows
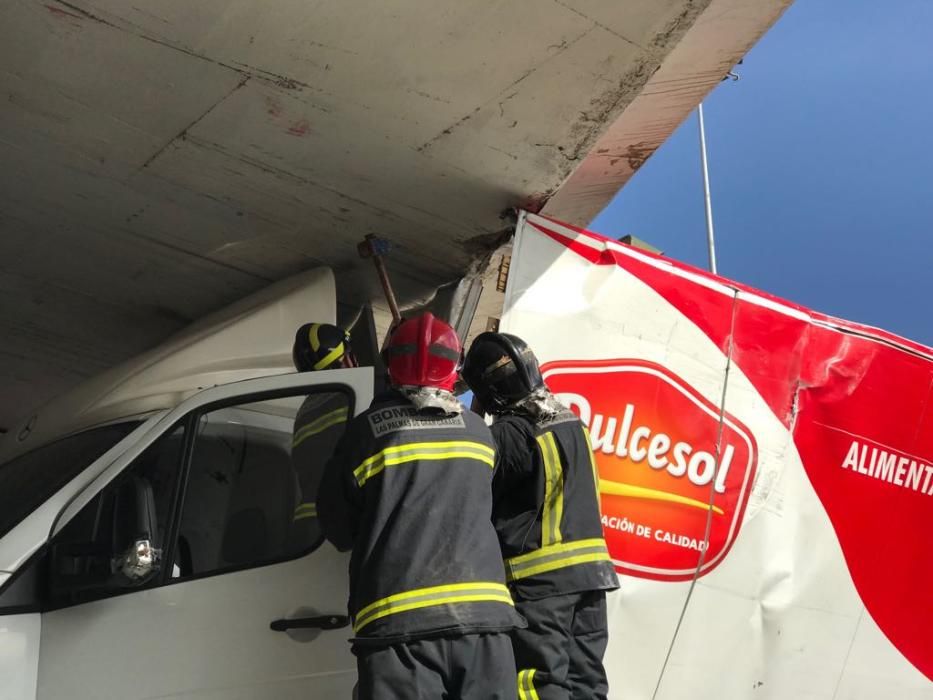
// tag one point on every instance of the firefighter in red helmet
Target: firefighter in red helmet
(409, 492)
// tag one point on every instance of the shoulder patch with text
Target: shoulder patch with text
(392, 419)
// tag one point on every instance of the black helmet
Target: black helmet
(501, 369)
(319, 346)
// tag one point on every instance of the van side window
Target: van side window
(28, 480)
(228, 488)
(87, 560)
(252, 482)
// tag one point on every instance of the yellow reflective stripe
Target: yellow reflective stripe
(326, 418)
(445, 588)
(556, 549)
(553, 490)
(589, 449)
(526, 686)
(329, 358)
(424, 446)
(446, 600)
(319, 425)
(556, 557)
(305, 510)
(379, 467)
(455, 593)
(399, 454)
(559, 564)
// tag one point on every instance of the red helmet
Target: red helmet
(424, 351)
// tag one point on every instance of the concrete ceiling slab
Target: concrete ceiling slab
(162, 161)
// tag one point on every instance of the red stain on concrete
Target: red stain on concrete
(299, 128)
(273, 107)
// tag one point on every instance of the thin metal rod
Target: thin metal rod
(710, 239)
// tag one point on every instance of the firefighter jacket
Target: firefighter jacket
(320, 422)
(546, 509)
(410, 492)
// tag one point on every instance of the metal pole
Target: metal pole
(710, 240)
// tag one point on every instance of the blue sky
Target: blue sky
(821, 162)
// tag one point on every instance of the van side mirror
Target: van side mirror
(136, 552)
(118, 545)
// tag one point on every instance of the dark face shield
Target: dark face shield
(501, 370)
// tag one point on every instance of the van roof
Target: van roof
(251, 338)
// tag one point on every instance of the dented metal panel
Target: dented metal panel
(766, 474)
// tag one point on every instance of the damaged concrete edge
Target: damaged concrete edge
(705, 41)
(458, 300)
(472, 287)
(607, 107)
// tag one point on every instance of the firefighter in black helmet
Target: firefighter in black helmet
(546, 513)
(320, 422)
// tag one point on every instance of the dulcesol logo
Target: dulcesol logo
(675, 473)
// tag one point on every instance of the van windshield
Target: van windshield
(28, 480)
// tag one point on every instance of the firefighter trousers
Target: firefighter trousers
(467, 667)
(559, 656)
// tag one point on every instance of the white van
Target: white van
(148, 542)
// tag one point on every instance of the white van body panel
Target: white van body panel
(19, 655)
(205, 638)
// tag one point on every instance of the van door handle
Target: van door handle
(322, 622)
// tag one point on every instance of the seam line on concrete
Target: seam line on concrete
(181, 134)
